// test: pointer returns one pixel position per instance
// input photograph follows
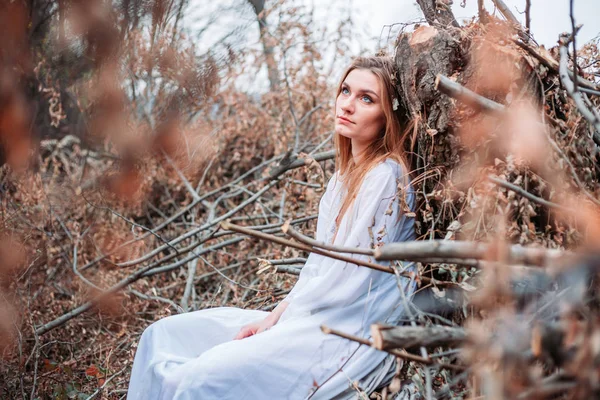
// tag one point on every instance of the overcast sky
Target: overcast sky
(548, 17)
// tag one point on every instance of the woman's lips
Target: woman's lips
(344, 120)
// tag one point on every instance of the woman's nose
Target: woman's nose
(347, 105)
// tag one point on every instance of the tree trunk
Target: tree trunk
(268, 48)
(438, 12)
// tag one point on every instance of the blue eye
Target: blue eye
(366, 99)
(345, 90)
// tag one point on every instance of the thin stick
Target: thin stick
(300, 162)
(194, 232)
(574, 34)
(459, 92)
(287, 229)
(398, 353)
(506, 12)
(592, 117)
(302, 246)
(526, 194)
(528, 15)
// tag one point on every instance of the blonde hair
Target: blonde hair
(392, 143)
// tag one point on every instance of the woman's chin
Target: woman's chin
(343, 131)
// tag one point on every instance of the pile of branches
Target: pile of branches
(506, 173)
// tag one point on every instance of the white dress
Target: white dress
(193, 356)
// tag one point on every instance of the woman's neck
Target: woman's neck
(358, 150)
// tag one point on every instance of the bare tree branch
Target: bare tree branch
(387, 337)
(590, 115)
(506, 12)
(398, 353)
(573, 38)
(416, 250)
(526, 194)
(472, 99)
(437, 13)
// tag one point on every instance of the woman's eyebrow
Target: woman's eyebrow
(363, 90)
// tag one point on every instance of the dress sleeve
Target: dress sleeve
(372, 221)
(324, 210)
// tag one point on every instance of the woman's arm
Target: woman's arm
(372, 221)
(261, 326)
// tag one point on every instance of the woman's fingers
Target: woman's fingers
(241, 334)
(252, 329)
(245, 332)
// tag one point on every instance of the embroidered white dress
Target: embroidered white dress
(193, 356)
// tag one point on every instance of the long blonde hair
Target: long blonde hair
(392, 143)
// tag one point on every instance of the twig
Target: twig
(455, 90)
(185, 181)
(398, 353)
(300, 162)
(528, 15)
(573, 37)
(289, 269)
(548, 390)
(572, 170)
(459, 92)
(77, 272)
(195, 231)
(89, 304)
(590, 91)
(194, 203)
(506, 12)
(106, 382)
(394, 337)
(302, 246)
(592, 117)
(36, 350)
(158, 298)
(553, 65)
(284, 261)
(287, 229)
(526, 194)
(189, 285)
(157, 269)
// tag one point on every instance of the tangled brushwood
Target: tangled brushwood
(138, 181)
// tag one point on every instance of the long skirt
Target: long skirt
(193, 356)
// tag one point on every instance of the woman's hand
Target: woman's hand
(254, 328)
(261, 326)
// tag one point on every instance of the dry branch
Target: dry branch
(287, 229)
(289, 269)
(394, 337)
(459, 92)
(302, 246)
(590, 114)
(443, 249)
(506, 12)
(300, 162)
(398, 353)
(526, 194)
(472, 99)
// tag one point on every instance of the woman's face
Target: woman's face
(358, 111)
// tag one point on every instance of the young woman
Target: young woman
(229, 353)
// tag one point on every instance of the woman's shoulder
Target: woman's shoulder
(386, 169)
